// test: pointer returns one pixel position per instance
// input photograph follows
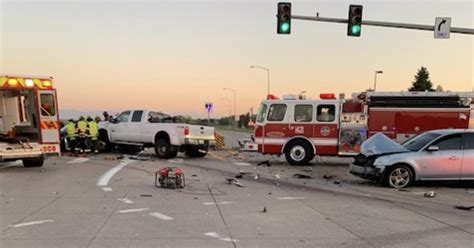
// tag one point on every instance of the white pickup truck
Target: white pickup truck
(144, 128)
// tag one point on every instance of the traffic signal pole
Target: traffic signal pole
(382, 24)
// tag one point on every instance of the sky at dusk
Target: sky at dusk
(176, 55)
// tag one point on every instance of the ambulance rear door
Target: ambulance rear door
(49, 121)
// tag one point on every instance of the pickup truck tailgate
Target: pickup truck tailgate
(200, 133)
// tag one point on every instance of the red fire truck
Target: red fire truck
(301, 129)
(29, 124)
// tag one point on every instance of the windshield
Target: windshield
(261, 113)
(420, 141)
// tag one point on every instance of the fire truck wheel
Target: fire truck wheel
(163, 149)
(33, 162)
(298, 152)
(399, 176)
(195, 152)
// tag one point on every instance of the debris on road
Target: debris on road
(145, 195)
(309, 169)
(257, 176)
(430, 194)
(467, 208)
(337, 182)
(404, 189)
(234, 181)
(239, 176)
(302, 176)
(264, 209)
(277, 176)
(141, 158)
(327, 177)
(266, 162)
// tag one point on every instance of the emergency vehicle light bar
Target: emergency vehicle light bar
(9, 82)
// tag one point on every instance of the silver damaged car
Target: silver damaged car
(446, 154)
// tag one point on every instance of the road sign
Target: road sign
(208, 107)
(442, 27)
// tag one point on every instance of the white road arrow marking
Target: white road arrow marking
(104, 179)
(242, 164)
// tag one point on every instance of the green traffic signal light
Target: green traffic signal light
(355, 29)
(284, 27)
(284, 18)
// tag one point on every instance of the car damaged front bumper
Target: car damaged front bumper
(366, 172)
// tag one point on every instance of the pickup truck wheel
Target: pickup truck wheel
(36, 162)
(298, 152)
(399, 176)
(195, 152)
(163, 149)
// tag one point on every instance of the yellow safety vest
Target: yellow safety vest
(71, 130)
(93, 130)
(82, 126)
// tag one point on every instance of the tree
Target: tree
(422, 81)
(439, 88)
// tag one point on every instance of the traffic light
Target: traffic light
(284, 18)
(355, 20)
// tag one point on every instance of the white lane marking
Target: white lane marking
(133, 210)
(217, 236)
(107, 189)
(78, 161)
(219, 203)
(104, 179)
(160, 216)
(32, 223)
(242, 164)
(176, 161)
(125, 200)
(290, 198)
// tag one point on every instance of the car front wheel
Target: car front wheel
(399, 176)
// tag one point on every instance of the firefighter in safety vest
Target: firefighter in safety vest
(71, 135)
(93, 133)
(81, 129)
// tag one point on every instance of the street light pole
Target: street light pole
(235, 111)
(375, 79)
(268, 75)
(230, 109)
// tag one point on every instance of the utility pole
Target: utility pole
(375, 79)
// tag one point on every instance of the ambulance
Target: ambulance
(29, 124)
(300, 129)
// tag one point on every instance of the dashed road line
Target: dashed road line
(107, 189)
(133, 210)
(176, 161)
(242, 164)
(78, 160)
(125, 200)
(32, 223)
(290, 198)
(218, 236)
(219, 203)
(161, 216)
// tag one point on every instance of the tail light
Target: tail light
(186, 131)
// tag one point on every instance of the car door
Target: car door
(118, 128)
(134, 127)
(444, 163)
(467, 172)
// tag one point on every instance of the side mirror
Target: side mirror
(433, 148)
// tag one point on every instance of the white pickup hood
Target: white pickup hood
(381, 144)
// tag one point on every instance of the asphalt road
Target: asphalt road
(99, 202)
